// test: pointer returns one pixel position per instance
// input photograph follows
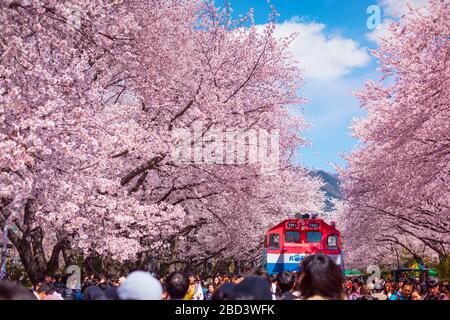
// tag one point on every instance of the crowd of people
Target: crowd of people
(320, 279)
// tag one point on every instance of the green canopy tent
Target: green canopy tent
(352, 273)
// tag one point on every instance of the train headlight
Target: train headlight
(332, 242)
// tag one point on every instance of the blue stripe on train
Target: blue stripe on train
(273, 268)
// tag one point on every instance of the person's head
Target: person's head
(416, 295)
(259, 272)
(406, 288)
(320, 276)
(177, 285)
(140, 285)
(364, 290)
(433, 287)
(114, 281)
(401, 281)
(216, 281)
(191, 278)
(444, 287)
(211, 288)
(394, 287)
(238, 279)
(48, 278)
(45, 290)
(286, 281)
(224, 292)
(356, 283)
(274, 278)
(58, 278)
(253, 288)
(11, 291)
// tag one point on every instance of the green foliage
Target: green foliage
(16, 271)
(443, 268)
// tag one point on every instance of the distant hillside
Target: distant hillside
(332, 187)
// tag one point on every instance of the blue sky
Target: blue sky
(333, 48)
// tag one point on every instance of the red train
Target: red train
(289, 242)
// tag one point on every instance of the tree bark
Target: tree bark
(30, 247)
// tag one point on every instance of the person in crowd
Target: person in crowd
(252, 288)
(192, 287)
(216, 282)
(209, 292)
(48, 279)
(224, 292)
(365, 292)
(111, 290)
(198, 290)
(420, 289)
(296, 290)
(260, 272)
(177, 285)
(405, 291)
(165, 294)
(11, 291)
(238, 279)
(273, 286)
(377, 292)
(88, 283)
(103, 282)
(389, 289)
(356, 289)
(140, 285)
(395, 287)
(59, 285)
(401, 281)
(285, 283)
(205, 285)
(444, 287)
(93, 293)
(416, 295)
(320, 279)
(35, 289)
(433, 292)
(47, 291)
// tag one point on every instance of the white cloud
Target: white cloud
(392, 10)
(323, 58)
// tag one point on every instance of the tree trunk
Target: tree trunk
(30, 246)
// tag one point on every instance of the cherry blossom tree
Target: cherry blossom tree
(397, 182)
(91, 95)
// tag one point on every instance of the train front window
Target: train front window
(274, 241)
(314, 236)
(292, 236)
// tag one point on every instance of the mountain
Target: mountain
(332, 187)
